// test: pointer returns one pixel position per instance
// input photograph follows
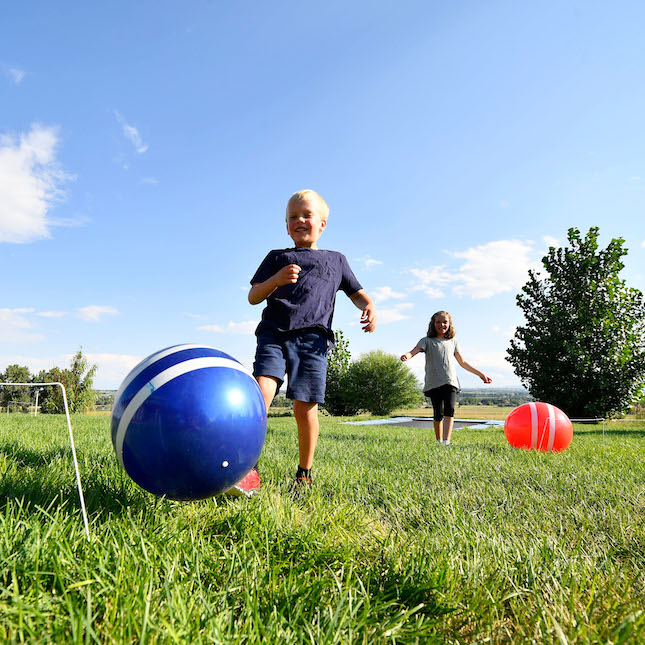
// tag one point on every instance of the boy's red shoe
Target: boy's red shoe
(247, 486)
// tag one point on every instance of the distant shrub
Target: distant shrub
(380, 383)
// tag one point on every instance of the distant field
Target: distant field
(399, 541)
(463, 412)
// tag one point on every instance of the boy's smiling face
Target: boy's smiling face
(304, 223)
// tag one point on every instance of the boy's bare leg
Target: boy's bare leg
(447, 427)
(268, 387)
(306, 415)
(437, 429)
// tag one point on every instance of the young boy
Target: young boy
(299, 285)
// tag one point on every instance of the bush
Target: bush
(380, 383)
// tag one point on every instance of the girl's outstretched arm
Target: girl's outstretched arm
(410, 354)
(471, 369)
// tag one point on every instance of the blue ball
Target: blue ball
(188, 422)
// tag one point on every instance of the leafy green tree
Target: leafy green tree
(79, 386)
(338, 396)
(381, 383)
(15, 374)
(582, 347)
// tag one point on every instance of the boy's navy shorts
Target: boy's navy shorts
(301, 355)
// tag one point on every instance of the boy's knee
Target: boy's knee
(304, 407)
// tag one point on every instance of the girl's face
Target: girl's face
(441, 325)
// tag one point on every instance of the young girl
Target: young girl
(441, 382)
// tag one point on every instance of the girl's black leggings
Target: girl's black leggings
(443, 400)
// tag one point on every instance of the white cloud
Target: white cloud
(368, 262)
(15, 74)
(486, 271)
(94, 313)
(493, 268)
(430, 280)
(492, 363)
(131, 134)
(504, 332)
(381, 294)
(551, 241)
(434, 275)
(30, 184)
(643, 244)
(51, 314)
(246, 327)
(393, 314)
(112, 368)
(15, 327)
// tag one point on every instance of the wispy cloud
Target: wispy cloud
(112, 368)
(505, 332)
(394, 314)
(51, 314)
(485, 271)
(493, 268)
(15, 326)
(368, 262)
(432, 281)
(94, 313)
(643, 244)
(14, 74)
(382, 294)
(246, 327)
(131, 134)
(31, 183)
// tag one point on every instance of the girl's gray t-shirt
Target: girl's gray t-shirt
(440, 362)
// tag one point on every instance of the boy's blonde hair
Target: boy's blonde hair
(306, 193)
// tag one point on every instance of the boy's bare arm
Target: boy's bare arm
(262, 290)
(367, 306)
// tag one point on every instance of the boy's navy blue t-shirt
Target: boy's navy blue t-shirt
(310, 301)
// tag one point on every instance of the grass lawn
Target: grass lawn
(398, 541)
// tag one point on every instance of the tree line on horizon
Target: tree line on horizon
(78, 380)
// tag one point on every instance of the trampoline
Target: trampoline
(426, 422)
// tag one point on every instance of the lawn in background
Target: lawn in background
(399, 540)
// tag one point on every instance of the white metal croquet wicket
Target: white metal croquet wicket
(71, 439)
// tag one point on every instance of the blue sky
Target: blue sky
(147, 151)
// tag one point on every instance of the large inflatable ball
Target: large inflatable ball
(540, 426)
(188, 422)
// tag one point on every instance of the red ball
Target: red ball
(540, 426)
